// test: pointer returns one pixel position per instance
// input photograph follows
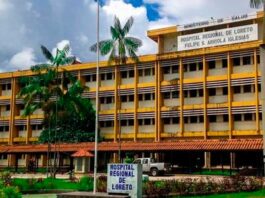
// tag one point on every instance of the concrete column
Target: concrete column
(115, 157)
(233, 160)
(207, 160)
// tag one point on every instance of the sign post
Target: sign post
(125, 179)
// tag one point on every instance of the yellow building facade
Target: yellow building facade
(203, 85)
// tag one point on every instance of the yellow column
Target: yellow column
(256, 92)
(29, 130)
(181, 98)
(160, 43)
(205, 97)
(230, 95)
(157, 102)
(135, 102)
(117, 105)
(12, 128)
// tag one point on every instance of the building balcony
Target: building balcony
(218, 126)
(244, 97)
(193, 74)
(104, 107)
(218, 99)
(170, 77)
(147, 103)
(4, 113)
(127, 105)
(107, 83)
(146, 79)
(171, 102)
(104, 130)
(6, 93)
(171, 128)
(4, 134)
(19, 139)
(22, 134)
(244, 125)
(243, 69)
(36, 133)
(126, 81)
(147, 129)
(193, 127)
(127, 129)
(192, 101)
(91, 84)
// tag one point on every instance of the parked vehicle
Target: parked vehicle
(152, 167)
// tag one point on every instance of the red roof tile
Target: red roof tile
(82, 153)
(180, 145)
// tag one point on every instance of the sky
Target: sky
(25, 25)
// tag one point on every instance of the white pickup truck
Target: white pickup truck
(152, 167)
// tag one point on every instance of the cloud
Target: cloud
(23, 59)
(60, 45)
(25, 25)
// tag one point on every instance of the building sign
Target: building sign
(125, 179)
(220, 21)
(218, 37)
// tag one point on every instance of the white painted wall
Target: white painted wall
(245, 125)
(146, 79)
(193, 127)
(125, 81)
(127, 129)
(3, 162)
(148, 103)
(106, 106)
(217, 99)
(168, 77)
(218, 126)
(244, 97)
(21, 162)
(38, 112)
(4, 134)
(171, 128)
(190, 101)
(6, 92)
(127, 105)
(22, 133)
(36, 133)
(193, 74)
(171, 102)
(91, 84)
(107, 130)
(243, 69)
(107, 83)
(147, 129)
(217, 72)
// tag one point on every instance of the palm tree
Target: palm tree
(41, 88)
(118, 47)
(258, 4)
(120, 43)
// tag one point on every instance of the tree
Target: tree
(67, 116)
(258, 4)
(120, 44)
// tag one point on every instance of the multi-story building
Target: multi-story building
(196, 101)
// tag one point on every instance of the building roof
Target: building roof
(82, 153)
(180, 145)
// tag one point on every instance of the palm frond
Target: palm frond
(117, 24)
(256, 3)
(66, 49)
(47, 53)
(104, 47)
(127, 26)
(133, 55)
(115, 34)
(68, 60)
(40, 67)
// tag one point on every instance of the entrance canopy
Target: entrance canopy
(82, 153)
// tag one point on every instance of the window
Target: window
(175, 94)
(224, 63)
(22, 128)
(260, 116)
(166, 70)
(94, 77)
(124, 74)
(175, 120)
(36, 127)
(225, 118)
(237, 89)
(166, 120)
(124, 98)
(185, 68)
(4, 128)
(200, 66)
(225, 90)
(193, 119)
(167, 95)
(7, 107)
(193, 67)
(147, 72)
(211, 64)
(109, 100)
(110, 76)
(131, 73)
(147, 97)
(258, 59)
(248, 117)
(236, 61)
(200, 93)
(212, 118)
(123, 122)
(131, 98)
(102, 100)
(247, 88)
(185, 93)
(3, 156)
(193, 93)
(175, 69)
(259, 87)
(109, 124)
(147, 121)
(102, 76)
(140, 72)
(130, 122)
(201, 119)
(212, 92)
(6, 87)
(140, 97)
(237, 117)
(246, 60)
(140, 122)
(186, 120)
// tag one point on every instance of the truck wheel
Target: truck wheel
(154, 172)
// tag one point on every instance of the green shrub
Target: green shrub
(85, 184)
(10, 192)
(6, 178)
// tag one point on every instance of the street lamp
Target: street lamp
(97, 106)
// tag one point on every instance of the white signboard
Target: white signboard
(219, 21)
(125, 179)
(218, 37)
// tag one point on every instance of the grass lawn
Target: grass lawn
(215, 172)
(40, 196)
(256, 194)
